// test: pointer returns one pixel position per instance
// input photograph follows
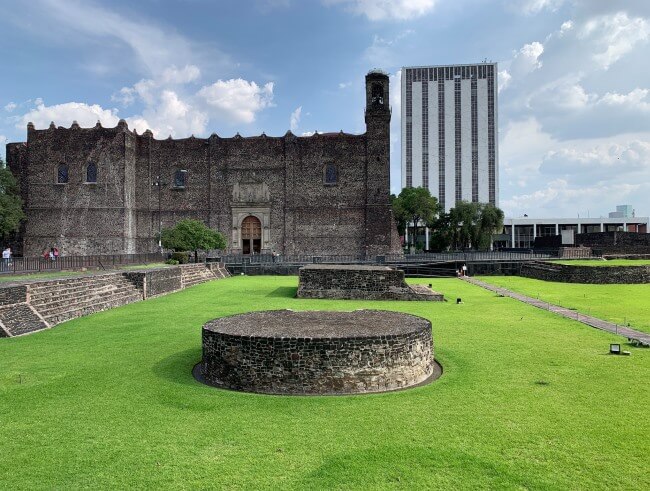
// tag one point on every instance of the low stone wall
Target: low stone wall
(37, 305)
(316, 352)
(615, 242)
(587, 274)
(354, 282)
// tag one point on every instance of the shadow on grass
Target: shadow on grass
(401, 465)
(284, 292)
(177, 368)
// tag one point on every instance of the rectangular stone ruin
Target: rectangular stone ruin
(356, 282)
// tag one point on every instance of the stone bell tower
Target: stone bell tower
(380, 227)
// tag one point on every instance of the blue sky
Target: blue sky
(574, 99)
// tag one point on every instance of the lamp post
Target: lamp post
(159, 184)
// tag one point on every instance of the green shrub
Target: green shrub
(172, 261)
(181, 257)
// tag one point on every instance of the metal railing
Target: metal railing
(383, 259)
(65, 263)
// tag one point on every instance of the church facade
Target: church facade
(110, 190)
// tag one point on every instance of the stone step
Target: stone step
(55, 303)
(96, 278)
(76, 283)
(81, 310)
(80, 291)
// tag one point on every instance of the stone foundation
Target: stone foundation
(317, 352)
(354, 282)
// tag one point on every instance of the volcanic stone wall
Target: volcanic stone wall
(616, 242)
(279, 180)
(587, 274)
(359, 282)
(324, 365)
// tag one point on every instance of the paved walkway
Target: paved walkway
(631, 334)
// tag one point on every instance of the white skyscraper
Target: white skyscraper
(449, 132)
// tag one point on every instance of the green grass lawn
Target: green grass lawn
(65, 274)
(621, 304)
(527, 400)
(603, 263)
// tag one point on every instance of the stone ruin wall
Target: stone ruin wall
(586, 274)
(362, 283)
(318, 366)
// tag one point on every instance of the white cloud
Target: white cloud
(154, 47)
(531, 7)
(11, 106)
(171, 116)
(527, 59)
(376, 10)
(64, 114)
(237, 100)
(173, 75)
(308, 133)
(294, 120)
(504, 78)
(344, 85)
(636, 98)
(614, 36)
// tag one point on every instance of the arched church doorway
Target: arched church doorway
(251, 235)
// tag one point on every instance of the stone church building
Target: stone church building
(110, 190)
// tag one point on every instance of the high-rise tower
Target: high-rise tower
(449, 132)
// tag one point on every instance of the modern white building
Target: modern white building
(449, 132)
(522, 232)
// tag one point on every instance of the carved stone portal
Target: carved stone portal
(251, 205)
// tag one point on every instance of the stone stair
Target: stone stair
(219, 270)
(58, 301)
(193, 274)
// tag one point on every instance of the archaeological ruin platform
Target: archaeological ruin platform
(359, 282)
(317, 352)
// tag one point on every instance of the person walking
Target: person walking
(51, 254)
(56, 253)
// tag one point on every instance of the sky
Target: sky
(574, 78)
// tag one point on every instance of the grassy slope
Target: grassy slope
(621, 304)
(527, 400)
(601, 263)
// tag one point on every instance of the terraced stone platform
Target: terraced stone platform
(34, 305)
(359, 282)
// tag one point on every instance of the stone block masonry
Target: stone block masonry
(37, 305)
(354, 282)
(327, 193)
(317, 352)
(586, 274)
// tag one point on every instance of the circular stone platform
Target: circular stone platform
(317, 352)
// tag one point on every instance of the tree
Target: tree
(415, 207)
(192, 235)
(11, 206)
(472, 224)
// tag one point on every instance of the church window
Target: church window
(62, 174)
(331, 174)
(180, 178)
(91, 173)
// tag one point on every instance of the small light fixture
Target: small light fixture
(614, 349)
(458, 300)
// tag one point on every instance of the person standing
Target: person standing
(6, 257)
(56, 253)
(464, 269)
